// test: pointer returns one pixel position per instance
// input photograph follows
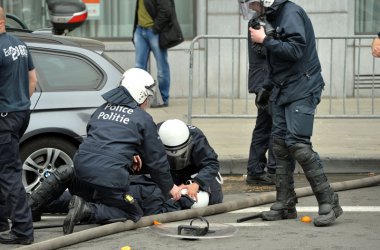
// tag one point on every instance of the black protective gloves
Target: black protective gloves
(262, 98)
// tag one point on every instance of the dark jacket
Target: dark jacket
(115, 133)
(203, 162)
(258, 66)
(165, 21)
(294, 67)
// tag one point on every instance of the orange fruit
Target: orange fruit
(156, 222)
(306, 219)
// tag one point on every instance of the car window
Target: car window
(108, 58)
(58, 72)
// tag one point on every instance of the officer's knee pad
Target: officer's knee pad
(303, 153)
(51, 188)
(279, 148)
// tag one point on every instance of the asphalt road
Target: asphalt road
(357, 228)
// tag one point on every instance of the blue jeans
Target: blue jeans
(146, 40)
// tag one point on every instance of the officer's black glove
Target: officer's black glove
(262, 98)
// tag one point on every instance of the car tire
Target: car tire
(42, 156)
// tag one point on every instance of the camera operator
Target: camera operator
(261, 142)
(296, 83)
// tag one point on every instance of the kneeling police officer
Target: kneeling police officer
(120, 134)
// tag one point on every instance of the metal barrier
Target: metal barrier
(218, 70)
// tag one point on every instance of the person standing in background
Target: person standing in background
(155, 20)
(17, 83)
(258, 71)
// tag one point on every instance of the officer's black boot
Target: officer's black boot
(79, 211)
(328, 201)
(49, 190)
(286, 199)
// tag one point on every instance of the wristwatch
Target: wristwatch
(378, 35)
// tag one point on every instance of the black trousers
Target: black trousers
(13, 199)
(106, 203)
(260, 144)
(142, 188)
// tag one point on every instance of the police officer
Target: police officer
(295, 76)
(120, 136)
(142, 188)
(17, 84)
(261, 135)
(193, 162)
(261, 142)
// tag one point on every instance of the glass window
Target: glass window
(107, 19)
(367, 17)
(30, 12)
(115, 19)
(53, 68)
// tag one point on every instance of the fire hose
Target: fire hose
(225, 207)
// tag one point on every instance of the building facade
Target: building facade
(111, 21)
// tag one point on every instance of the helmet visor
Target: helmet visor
(245, 9)
(179, 157)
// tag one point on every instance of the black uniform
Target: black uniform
(15, 64)
(115, 133)
(146, 192)
(261, 135)
(295, 74)
(202, 166)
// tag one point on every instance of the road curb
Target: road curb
(238, 165)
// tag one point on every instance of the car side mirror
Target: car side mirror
(66, 15)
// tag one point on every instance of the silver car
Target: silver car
(72, 74)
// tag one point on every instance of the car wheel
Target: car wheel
(41, 157)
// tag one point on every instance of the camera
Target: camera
(256, 22)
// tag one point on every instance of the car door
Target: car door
(70, 85)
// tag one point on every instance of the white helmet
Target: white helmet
(139, 84)
(202, 198)
(175, 136)
(267, 3)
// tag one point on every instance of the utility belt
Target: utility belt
(291, 79)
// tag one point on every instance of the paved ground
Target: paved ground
(347, 146)
(355, 229)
